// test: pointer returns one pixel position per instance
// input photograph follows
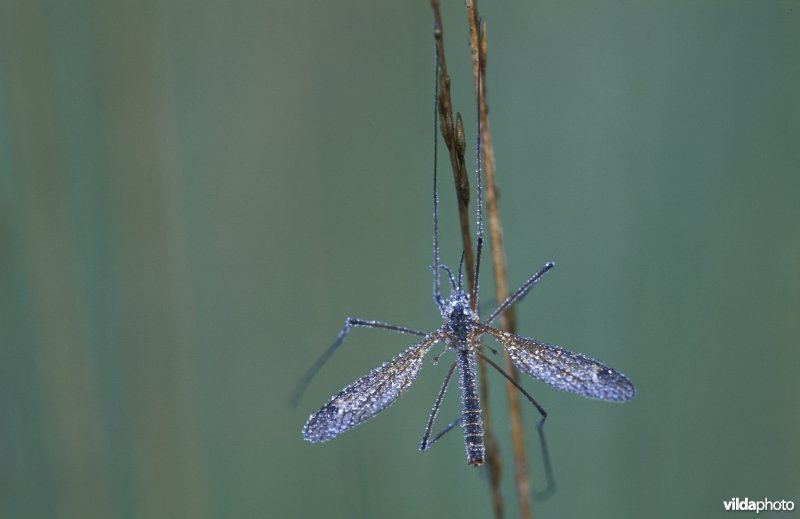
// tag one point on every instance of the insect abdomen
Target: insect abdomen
(471, 420)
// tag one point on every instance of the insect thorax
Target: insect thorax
(458, 316)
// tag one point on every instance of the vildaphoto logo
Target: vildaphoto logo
(764, 505)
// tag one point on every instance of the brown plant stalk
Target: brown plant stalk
(477, 39)
(453, 135)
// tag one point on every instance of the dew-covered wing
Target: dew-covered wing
(368, 395)
(563, 369)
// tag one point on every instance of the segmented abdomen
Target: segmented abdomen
(471, 420)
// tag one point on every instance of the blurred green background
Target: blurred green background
(194, 195)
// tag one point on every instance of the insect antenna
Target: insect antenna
(449, 274)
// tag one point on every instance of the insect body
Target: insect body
(460, 328)
(460, 332)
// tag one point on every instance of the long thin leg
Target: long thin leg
(437, 293)
(520, 292)
(520, 388)
(549, 478)
(423, 445)
(460, 268)
(446, 430)
(350, 322)
(479, 247)
(550, 482)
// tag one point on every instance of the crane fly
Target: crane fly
(460, 332)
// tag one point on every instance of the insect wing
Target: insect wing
(368, 395)
(563, 369)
